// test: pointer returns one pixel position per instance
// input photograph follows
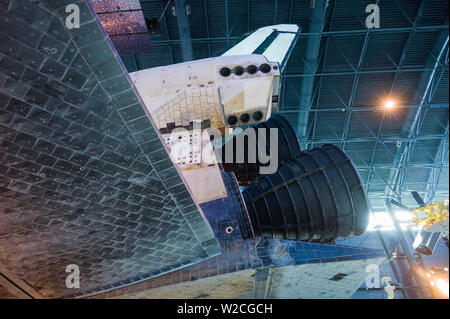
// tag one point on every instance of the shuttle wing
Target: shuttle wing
(85, 178)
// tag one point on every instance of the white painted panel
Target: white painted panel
(279, 47)
(250, 43)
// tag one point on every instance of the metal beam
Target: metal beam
(379, 30)
(227, 28)
(184, 30)
(168, 38)
(324, 63)
(323, 34)
(349, 104)
(396, 70)
(248, 16)
(392, 139)
(283, 80)
(205, 7)
(439, 164)
(275, 12)
(441, 155)
(292, 110)
(410, 166)
(311, 57)
(409, 129)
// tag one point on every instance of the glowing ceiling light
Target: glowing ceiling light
(389, 104)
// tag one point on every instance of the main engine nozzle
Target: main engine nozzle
(318, 196)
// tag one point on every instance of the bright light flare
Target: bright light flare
(442, 285)
(437, 279)
(383, 221)
(389, 104)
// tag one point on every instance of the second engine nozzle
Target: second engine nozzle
(288, 147)
(316, 197)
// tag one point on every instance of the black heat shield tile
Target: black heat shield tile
(76, 185)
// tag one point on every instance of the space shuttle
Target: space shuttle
(190, 101)
(210, 114)
(183, 168)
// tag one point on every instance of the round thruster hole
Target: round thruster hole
(275, 67)
(232, 120)
(238, 70)
(229, 230)
(257, 116)
(265, 68)
(225, 71)
(244, 118)
(252, 69)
